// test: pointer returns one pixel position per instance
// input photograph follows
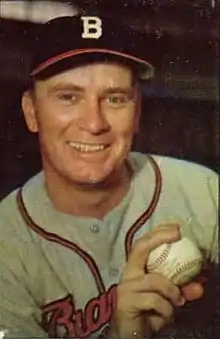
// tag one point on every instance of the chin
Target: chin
(93, 176)
(92, 179)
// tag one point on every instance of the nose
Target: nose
(93, 119)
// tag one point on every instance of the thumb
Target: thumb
(136, 264)
(192, 291)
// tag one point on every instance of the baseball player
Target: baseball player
(74, 240)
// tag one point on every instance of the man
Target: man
(76, 238)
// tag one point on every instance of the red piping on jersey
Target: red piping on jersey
(85, 256)
(59, 240)
(75, 52)
(147, 214)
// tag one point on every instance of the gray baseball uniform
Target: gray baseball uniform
(59, 271)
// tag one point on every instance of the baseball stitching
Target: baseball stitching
(185, 266)
(161, 258)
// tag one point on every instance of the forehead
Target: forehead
(104, 74)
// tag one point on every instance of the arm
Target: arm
(19, 313)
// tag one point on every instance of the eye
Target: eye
(68, 98)
(117, 99)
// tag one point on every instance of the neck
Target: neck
(88, 201)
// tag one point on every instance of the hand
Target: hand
(146, 301)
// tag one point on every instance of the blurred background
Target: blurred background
(180, 105)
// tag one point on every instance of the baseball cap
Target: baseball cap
(69, 41)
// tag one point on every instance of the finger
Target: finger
(153, 282)
(154, 302)
(166, 226)
(156, 322)
(139, 255)
(192, 291)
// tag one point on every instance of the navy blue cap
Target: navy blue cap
(65, 42)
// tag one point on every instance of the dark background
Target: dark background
(180, 105)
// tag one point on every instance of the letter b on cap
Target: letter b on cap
(92, 27)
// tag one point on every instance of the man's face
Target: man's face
(86, 118)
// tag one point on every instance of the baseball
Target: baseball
(180, 261)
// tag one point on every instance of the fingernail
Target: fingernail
(181, 301)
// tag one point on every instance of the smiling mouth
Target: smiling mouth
(87, 148)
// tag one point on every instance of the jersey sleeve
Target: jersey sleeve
(204, 210)
(190, 194)
(19, 312)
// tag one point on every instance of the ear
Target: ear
(29, 111)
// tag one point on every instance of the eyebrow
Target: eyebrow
(76, 88)
(65, 87)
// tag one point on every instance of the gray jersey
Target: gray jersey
(59, 272)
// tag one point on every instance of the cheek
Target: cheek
(124, 125)
(57, 119)
(51, 121)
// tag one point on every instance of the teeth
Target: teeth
(86, 147)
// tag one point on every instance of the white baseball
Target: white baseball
(180, 261)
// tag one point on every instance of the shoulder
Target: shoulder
(189, 195)
(10, 216)
(10, 200)
(17, 242)
(190, 177)
(8, 205)
(181, 181)
(183, 167)
(175, 169)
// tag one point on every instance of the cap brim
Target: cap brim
(73, 58)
